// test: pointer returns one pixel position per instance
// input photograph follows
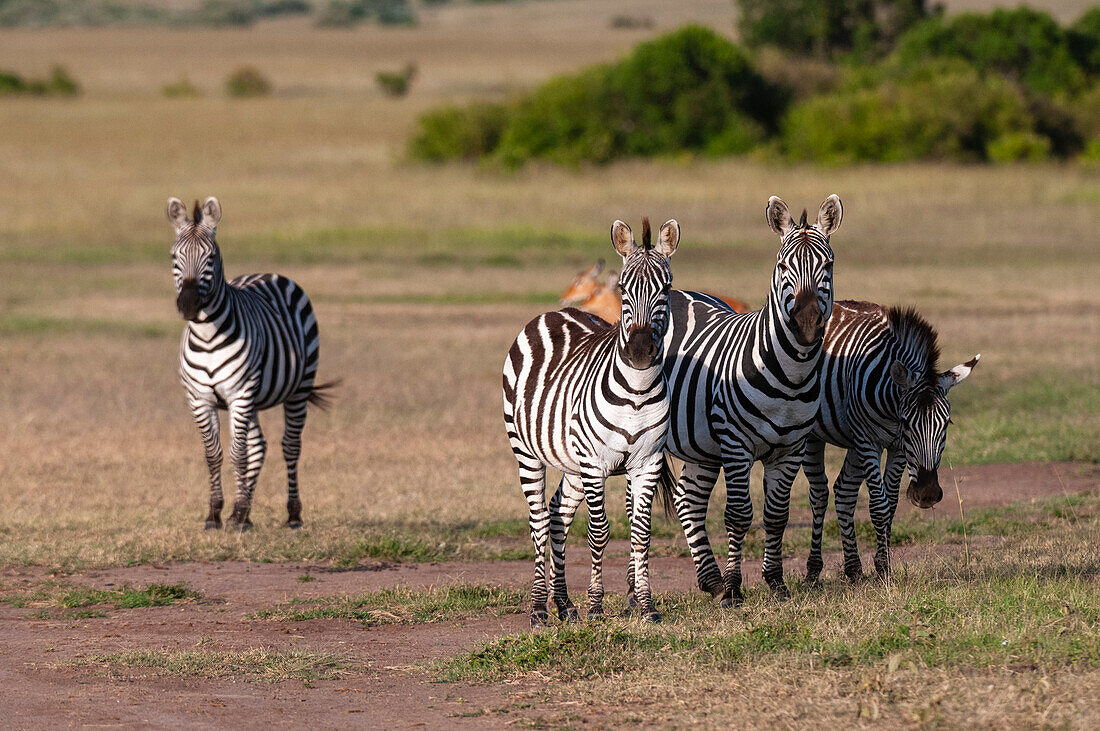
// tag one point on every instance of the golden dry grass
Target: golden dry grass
(421, 276)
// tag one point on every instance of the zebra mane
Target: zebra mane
(916, 336)
(646, 234)
(196, 216)
(802, 223)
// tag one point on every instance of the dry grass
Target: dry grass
(422, 276)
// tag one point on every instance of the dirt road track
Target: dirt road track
(40, 689)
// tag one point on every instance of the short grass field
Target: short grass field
(421, 276)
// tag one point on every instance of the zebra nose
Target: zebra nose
(809, 320)
(188, 302)
(641, 346)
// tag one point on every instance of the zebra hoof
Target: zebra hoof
(241, 527)
(780, 592)
(294, 524)
(631, 606)
(854, 575)
(213, 525)
(540, 619)
(653, 617)
(731, 600)
(813, 578)
(569, 615)
(595, 615)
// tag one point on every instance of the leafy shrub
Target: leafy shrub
(15, 13)
(180, 89)
(1084, 39)
(247, 82)
(349, 13)
(630, 22)
(222, 13)
(58, 82)
(951, 113)
(827, 28)
(1091, 155)
(688, 90)
(1086, 112)
(1025, 45)
(396, 83)
(275, 8)
(453, 133)
(1019, 147)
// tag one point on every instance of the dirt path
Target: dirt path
(40, 687)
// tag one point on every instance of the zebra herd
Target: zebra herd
(679, 374)
(727, 390)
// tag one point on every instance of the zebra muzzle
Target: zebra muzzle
(188, 302)
(641, 347)
(925, 491)
(808, 319)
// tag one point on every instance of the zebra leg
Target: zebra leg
(598, 534)
(845, 493)
(206, 416)
(247, 452)
(692, 497)
(891, 483)
(643, 485)
(813, 464)
(294, 419)
(532, 480)
(778, 476)
(738, 519)
(631, 602)
(563, 507)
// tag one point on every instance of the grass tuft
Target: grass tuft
(258, 664)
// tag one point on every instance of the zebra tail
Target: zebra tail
(321, 394)
(666, 485)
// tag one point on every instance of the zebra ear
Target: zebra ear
(622, 238)
(958, 374)
(669, 237)
(828, 218)
(899, 375)
(211, 212)
(779, 218)
(177, 213)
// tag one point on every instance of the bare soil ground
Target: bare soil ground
(386, 686)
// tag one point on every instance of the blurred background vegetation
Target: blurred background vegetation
(845, 82)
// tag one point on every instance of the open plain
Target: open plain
(401, 601)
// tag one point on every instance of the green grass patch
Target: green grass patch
(259, 664)
(38, 325)
(403, 605)
(58, 600)
(1031, 603)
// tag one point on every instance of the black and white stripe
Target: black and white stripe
(881, 390)
(589, 399)
(249, 344)
(745, 387)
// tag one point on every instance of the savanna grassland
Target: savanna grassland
(422, 275)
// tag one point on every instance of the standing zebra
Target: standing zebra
(589, 399)
(881, 390)
(745, 387)
(249, 344)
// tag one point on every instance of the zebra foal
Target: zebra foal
(249, 344)
(745, 387)
(589, 399)
(881, 390)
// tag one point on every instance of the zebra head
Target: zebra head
(645, 280)
(802, 283)
(926, 413)
(196, 261)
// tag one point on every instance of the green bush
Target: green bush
(180, 89)
(396, 83)
(688, 90)
(341, 14)
(827, 28)
(1084, 38)
(394, 12)
(58, 82)
(454, 133)
(349, 13)
(949, 114)
(1019, 147)
(275, 8)
(247, 82)
(1025, 45)
(1091, 155)
(222, 13)
(40, 13)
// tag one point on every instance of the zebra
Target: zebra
(745, 387)
(249, 344)
(882, 390)
(589, 399)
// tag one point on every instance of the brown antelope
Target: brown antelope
(582, 286)
(605, 301)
